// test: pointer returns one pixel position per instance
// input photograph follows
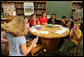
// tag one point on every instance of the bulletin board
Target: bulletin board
(9, 8)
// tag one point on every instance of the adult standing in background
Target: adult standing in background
(52, 20)
(43, 19)
(78, 14)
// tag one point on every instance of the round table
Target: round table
(49, 35)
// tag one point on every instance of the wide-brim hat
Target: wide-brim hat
(13, 28)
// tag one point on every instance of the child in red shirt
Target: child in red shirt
(43, 19)
(33, 21)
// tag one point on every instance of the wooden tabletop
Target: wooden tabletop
(51, 34)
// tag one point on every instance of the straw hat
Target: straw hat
(17, 26)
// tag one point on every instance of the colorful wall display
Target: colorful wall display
(9, 8)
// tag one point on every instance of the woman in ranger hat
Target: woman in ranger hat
(15, 32)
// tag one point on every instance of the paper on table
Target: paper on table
(33, 30)
(57, 25)
(64, 29)
(38, 25)
(60, 32)
(43, 32)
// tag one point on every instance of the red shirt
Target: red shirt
(42, 20)
(31, 23)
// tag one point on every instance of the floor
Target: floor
(80, 52)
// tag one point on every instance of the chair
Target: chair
(75, 50)
(77, 47)
(37, 50)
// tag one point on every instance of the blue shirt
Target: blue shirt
(14, 44)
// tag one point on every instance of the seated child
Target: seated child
(69, 24)
(15, 32)
(33, 21)
(3, 45)
(63, 21)
(52, 20)
(26, 20)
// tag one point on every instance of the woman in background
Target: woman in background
(52, 20)
(78, 14)
(43, 19)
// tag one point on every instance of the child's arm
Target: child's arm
(3, 39)
(3, 34)
(71, 33)
(26, 50)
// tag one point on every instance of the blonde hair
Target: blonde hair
(17, 26)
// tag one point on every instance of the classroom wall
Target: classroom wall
(61, 8)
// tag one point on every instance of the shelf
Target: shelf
(39, 1)
(20, 14)
(77, 1)
(40, 8)
(19, 8)
(4, 19)
(39, 14)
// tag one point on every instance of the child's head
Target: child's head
(76, 25)
(71, 17)
(53, 15)
(33, 16)
(63, 19)
(69, 22)
(26, 20)
(44, 14)
(17, 26)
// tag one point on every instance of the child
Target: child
(63, 21)
(69, 24)
(53, 19)
(3, 45)
(26, 20)
(75, 36)
(15, 32)
(33, 21)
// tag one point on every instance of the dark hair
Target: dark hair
(71, 17)
(63, 16)
(33, 15)
(68, 21)
(80, 5)
(44, 12)
(54, 14)
(25, 17)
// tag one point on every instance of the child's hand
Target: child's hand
(35, 41)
